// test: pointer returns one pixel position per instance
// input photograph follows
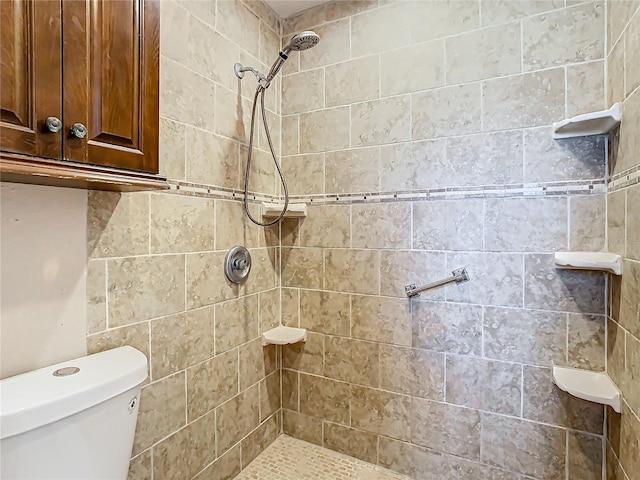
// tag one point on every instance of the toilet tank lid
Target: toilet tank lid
(33, 399)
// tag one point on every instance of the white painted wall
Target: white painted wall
(43, 240)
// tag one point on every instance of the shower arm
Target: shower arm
(459, 276)
(262, 79)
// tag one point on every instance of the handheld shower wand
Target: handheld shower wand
(301, 41)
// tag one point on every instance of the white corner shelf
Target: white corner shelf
(603, 261)
(593, 386)
(595, 123)
(293, 210)
(282, 335)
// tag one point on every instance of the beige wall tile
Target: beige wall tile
(234, 228)
(290, 134)
(335, 10)
(326, 226)
(527, 100)
(324, 130)
(446, 111)
(232, 116)
(302, 267)
(352, 442)
(236, 418)
(585, 456)
(616, 353)
(484, 384)
(213, 160)
(623, 154)
(526, 224)
(179, 341)
(383, 225)
(332, 48)
(436, 19)
(484, 159)
(380, 319)
(529, 448)
(198, 438)
(413, 166)
(422, 463)
(141, 288)
(140, 467)
(136, 336)
(631, 391)
(615, 72)
(303, 92)
(236, 322)
(290, 390)
(162, 411)
(256, 362)
(437, 225)
(325, 312)
(400, 268)
(172, 144)
(302, 427)
(352, 81)
(381, 412)
(413, 68)
(587, 219)
(323, 398)
(269, 309)
(117, 224)
(211, 383)
(544, 402)
(304, 174)
(254, 443)
(548, 288)
(204, 275)
(500, 11)
(586, 341)
(412, 371)
(496, 279)
(616, 221)
(446, 428)
(629, 440)
(186, 96)
(544, 37)
(618, 15)
(226, 467)
(181, 224)
(346, 271)
(585, 88)
(527, 336)
(290, 307)
(237, 22)
(306, 356)
(96, 296)
(633, 223)
(632, 46)
(381, 121)
(486, 53)
(350, 360)
(270, 397)
(354, 170)
(174, 22)
(625, 309)
(549, 160)
(377, 30)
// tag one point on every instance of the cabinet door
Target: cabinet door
(110, 64)
(30, 77)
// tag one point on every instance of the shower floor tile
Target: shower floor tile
(291, 459)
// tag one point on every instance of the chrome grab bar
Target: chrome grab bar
(460, 275)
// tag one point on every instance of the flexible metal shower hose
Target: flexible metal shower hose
(260, 91)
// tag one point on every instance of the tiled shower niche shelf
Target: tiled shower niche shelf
(592, 386)
(602, 261)
(282, 335)
(293, 210)
(595, 123)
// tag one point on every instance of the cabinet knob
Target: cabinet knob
(79, 130)
(53, 124)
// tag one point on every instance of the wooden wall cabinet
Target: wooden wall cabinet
(92, 68)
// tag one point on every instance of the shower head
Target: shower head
(301, 41)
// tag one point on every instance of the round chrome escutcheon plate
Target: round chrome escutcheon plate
(237, 264)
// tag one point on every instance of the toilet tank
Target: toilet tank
(73, 420)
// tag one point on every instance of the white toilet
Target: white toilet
(74, 420)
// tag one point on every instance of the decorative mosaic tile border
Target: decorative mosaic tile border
(585, 187)
(625, 179)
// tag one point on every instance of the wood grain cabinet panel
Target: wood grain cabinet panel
(93, 64)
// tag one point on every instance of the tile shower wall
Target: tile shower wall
(623, 221)
(419, 132)
(155, 281)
